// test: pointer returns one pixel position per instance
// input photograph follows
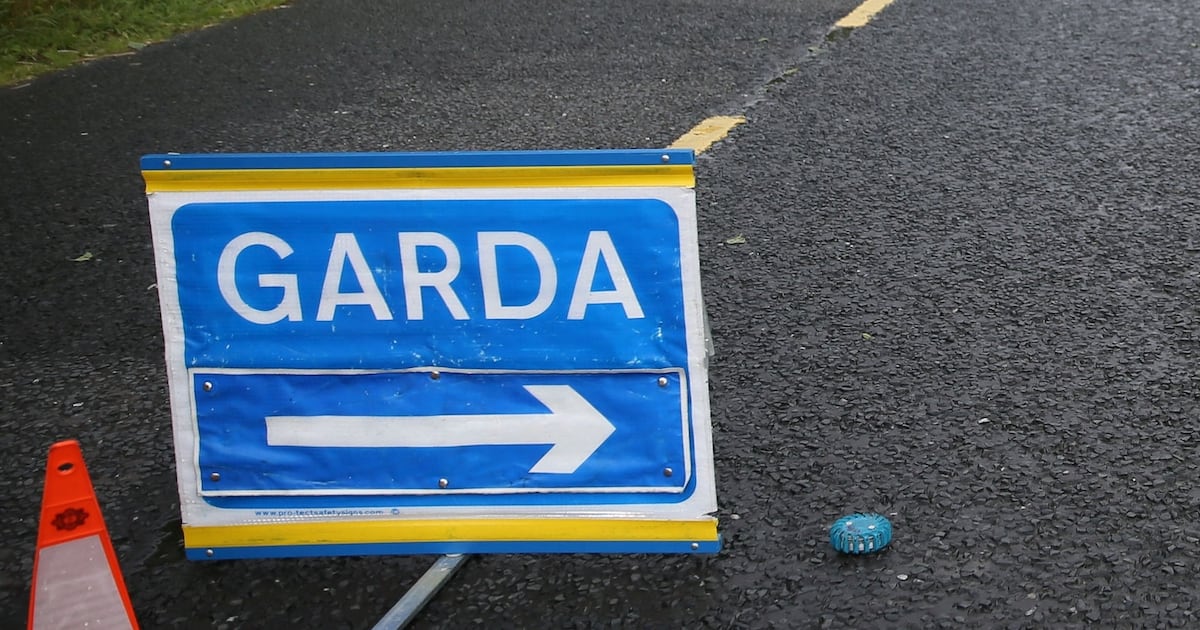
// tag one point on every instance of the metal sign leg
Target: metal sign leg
(415, 599)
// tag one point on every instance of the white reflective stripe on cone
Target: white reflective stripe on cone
(76, 589)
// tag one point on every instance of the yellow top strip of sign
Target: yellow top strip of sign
(212, 180)
(403, 530)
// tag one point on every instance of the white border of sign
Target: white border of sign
(197, 512)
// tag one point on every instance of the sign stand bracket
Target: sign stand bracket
(424, 590)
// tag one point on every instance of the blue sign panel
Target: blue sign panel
(285, 293)
(480, 284)
(411, 433)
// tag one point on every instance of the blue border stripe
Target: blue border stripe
(394, 549)
(249, 161)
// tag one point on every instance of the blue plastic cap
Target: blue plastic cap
(859, 534)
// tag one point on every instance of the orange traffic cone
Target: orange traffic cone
(77, 582)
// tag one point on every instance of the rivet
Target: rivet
(215, 476)
(435, 375)
(695, 546)
(443, 482)
(666, 158)
(209, 552)
(662, 381)
(166, 163)
(667, 472)
(208, 386)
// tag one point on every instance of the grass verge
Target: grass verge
(39, 36)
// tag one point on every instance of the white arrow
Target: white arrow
(573, 426)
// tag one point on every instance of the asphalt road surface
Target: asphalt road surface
(966, 297)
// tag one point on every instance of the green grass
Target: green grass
(39, 36)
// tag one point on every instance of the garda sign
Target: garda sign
(435, 353)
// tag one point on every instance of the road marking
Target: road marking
(703, 135)
(709, 131)
(862, 14)
(573, 427)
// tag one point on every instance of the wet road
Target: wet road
(966, 297)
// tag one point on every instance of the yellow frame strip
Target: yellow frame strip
(204, 180)
(417, 531)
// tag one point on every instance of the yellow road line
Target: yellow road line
(862, 14)
(703, 135)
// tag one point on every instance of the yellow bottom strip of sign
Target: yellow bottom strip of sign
(414, 531)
